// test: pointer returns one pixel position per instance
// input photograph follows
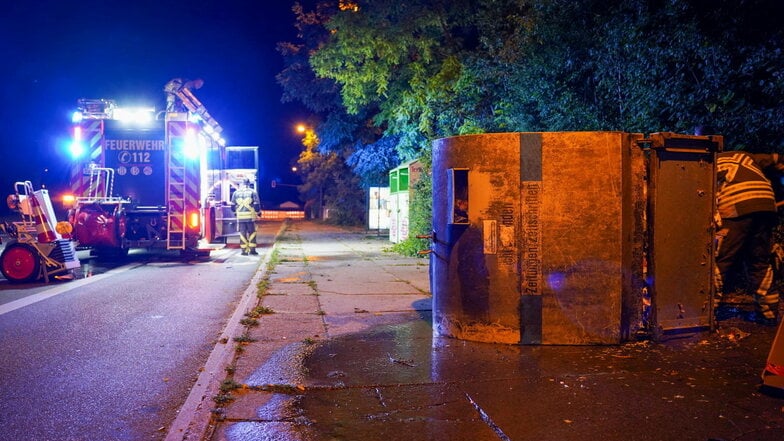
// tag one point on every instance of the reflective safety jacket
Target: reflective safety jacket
(743, 187)
(245, 202)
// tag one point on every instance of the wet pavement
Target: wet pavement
(348, 354)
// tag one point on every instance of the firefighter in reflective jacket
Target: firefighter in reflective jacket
(245, 203)
(747, 207)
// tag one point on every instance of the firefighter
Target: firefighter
(245, 202)
(170, 89)
(173, 103)
(748, 211)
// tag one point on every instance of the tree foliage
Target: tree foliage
(389, 76)
(424, 69)
(329, 184)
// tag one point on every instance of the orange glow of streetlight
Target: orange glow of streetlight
(310, 138)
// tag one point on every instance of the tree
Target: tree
(351, 136)
(404, 72)
(397, 61)
(328, 183)
(423, 69)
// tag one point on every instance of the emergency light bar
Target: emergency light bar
(134, 115)
(108, 109)
(93, 109)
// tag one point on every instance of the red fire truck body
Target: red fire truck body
(154, 182)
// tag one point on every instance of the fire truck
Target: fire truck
(146, 179)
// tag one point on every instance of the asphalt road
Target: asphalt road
(114, 355)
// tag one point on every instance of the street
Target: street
(114, 355)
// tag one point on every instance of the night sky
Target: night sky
(57, 51)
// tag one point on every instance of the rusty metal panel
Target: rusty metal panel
(584, 227)
(681, 199)
(553, 242)
(474, 264)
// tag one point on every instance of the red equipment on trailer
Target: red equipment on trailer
(39, 246)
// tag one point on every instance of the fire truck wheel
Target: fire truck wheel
(20, 263)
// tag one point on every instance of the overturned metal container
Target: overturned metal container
(549, 238)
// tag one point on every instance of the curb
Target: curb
(193, 422)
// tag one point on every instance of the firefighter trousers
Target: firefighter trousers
(746, 240)
(247, 230)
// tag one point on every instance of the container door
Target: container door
(681, 206)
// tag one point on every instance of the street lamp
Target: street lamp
(311, 139)
(311, 142)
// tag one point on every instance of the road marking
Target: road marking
(65, 287)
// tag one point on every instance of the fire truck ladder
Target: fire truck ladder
(193, 104)
(175, 231)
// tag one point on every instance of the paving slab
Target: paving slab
(287, 327)
(293, 288)
(347, 303)
(362, 320)
(292, 304)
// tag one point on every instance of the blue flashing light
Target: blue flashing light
(76, 149)
(77, 117)
(190, 147)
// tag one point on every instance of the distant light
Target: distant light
(301, 128)
(77, 117)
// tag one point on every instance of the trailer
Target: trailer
(39, 246)
(147, 179)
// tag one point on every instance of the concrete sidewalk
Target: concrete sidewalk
(319, 283)
(348, 354)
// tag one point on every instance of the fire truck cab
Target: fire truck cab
(142, 179)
